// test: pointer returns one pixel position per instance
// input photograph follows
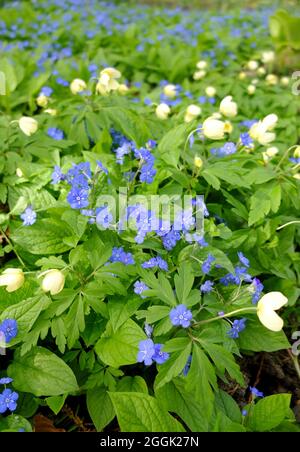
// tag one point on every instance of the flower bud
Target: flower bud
(198, 162)
(213, 129)
(228, 107)
(242, 75)
(162, 111)
(77, 86)
(266, 308)
(268, 56)
(42, 100)
(252, 65)
(12, 278)
(251, 89)
(210, 91)
(28, 125)
(198, 75)
(271, 79)
(285, 81)
(170, 91)
(261, 71)
(51, 111)
(192, 112)
(19, 172)
(123, 89)
(53, 282)
(297, 152)
(201, 64)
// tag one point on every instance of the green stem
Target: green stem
(12, 247)
(287, 224)
(229, 314)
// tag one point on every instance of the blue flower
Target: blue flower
(227, 149)
(147, 173)
(103, 217)
(55, 133)
(258, 288)
(46, 91)
(146, 352)
(28, 216)
(156, 262)
(78, 198)
(181, 315)
(246, 140)
(170, 239)
(244, 412)
(139, 288)
(255, 392)
(57, 175)
(8, 400)
(9, 328)
(148, 330)
(187, 366)
(102, 167)
(159, 356)
(119, 255)
(243, 260)
(5, 380)
(207, 286)
(206, 266)
(237, 327)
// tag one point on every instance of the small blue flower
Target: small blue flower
(181, 316)
(170, 239)
(139, 288)
(8, 400)
(103, 217)
(187, 366)
(243, 260)
(147, 173)
(57, 175)
(78, 198)
(207, 286)
(244, 413)
(246, 140)
(258, 288)
(255, 392)
(148, 330)
(146, 352)
(237, 327)
(28, 216)
(206, 266)
(46, 91)
(159, 356)
(156, 262)
(9, 328)
(5, 380)
(102, 167)
(55, 133)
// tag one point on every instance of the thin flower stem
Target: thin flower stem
(13, 248)
(229, 314)
(288, 224)
(295, 362)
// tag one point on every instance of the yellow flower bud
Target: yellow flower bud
(28, 125)
(198, 162)
(266, 308)
(162, 111)
(53, 282)
(12, 278)
(42, 100)
(77, 86)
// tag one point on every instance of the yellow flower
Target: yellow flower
(77, 86)
(28, 125)
(42, 100)
(53, 282)
(123, 89)
(198, 162)
(228, 107)
(266, 308)
(12, 278)
(162, 111)
(107, 81)
(213, 129)
(192, 112)
(170, 91)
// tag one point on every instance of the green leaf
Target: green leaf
(42, 373)
(269, 412)
(44, 237)
(120, 348)
(132, 384)
(122, 309)
(174, 397)
(172, 367)
(56, 403)
(170, 145)
(228, 406)
(184, 282)
(260, 206)
(14, 423)
(137, 412)
(159, 287)
(100, 407)
(75, 321)
(25, 313)
(257, 338)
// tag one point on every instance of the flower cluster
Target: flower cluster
(149, 352)
(237, 327)
(181, 316)
(119, 255)
(9, 329)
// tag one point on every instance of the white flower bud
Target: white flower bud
(42, 100)
(213, 129)
(251, 89)
(252, 65)
(268, 56)
(170, 91)
(51, 111)
(28, 125)
(192, 112)
(210, 91)
(271, 79)
(162, 111)
(201, 64)
(53, 282)
(12, 278)
(77, 86)
(228, 107)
